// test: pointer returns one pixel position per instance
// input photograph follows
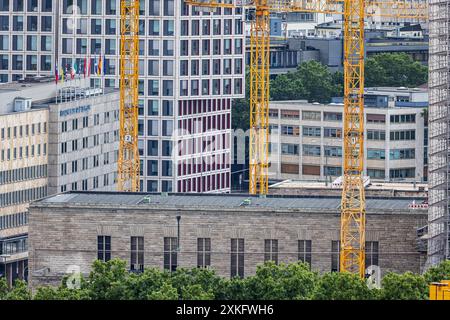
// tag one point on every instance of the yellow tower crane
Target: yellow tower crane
(352, 243)
(129, 164)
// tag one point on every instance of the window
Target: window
(237, 258)
(332, 151)
(403, 135)
(376, 173)
(311, 131)
(376, 118)
(398, 154)
(170, 253)
(311, 150)
(332, 132)
(103, 248)
(402, 173)
(376, 154)
(376, 135)
(137, 254)
(290, 130)
(203, 252)
(304, 251)
(404, 118)
(271, 250)
(371, 253)
(335, 245)
(288, 148)
(332, 116)
(332, 171)
(311, 115)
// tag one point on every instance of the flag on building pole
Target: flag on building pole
(100, 68)
(56, 73)
(95, 66)
(104, 65)
(62, 75)
(84, 67)
(73, 70)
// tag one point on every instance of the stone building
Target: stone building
(230, 233)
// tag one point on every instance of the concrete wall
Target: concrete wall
(62, 236)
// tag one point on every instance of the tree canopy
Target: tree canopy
(294, 281)
(394, 70)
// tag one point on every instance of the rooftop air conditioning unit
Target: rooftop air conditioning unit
(22, 104)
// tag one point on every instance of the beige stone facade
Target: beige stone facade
(64, 230)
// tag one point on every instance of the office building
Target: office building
(50, 143)
(306, 142)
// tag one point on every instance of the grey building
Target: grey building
(230, 233)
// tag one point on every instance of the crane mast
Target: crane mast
(129, 163)
(259, 100)
(353, 205)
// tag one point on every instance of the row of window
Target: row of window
(337, 133)
(97, 182)
(188, 27)
(89, 142)
(17, 64)
(13, 220)
(23, 174)
(396, 154)
(32, 23)
(14, 246)
(147, 8)
(23, 130)
(35, 150)
(81, 123)
(22, 196)
(337, 116)
(207, 182)
(88, 163)
(315, 170)
(31, 5)
(171, 250)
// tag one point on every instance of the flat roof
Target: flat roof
(374, 185)
(216, 201)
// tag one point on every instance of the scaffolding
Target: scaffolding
(439, 139)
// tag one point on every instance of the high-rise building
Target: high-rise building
(191, 67)
(439, 118)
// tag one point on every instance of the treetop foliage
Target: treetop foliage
(112, 281)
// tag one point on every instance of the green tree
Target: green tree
(394, 69)
(165, 292)
(287, 86)
(342, 286)
(108, 280)
(282, 282)
(196, 292)
(3, 288)
(406, 286)
(19, 291)
(438, 273)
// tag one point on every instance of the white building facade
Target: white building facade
(307, 142)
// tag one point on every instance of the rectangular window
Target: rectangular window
(371, 253)
(271, 250)
(335, 245)
(137, 254)
(104, 248)
(170, 253)
(304, 251)
(203, 252)
(237, 258)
